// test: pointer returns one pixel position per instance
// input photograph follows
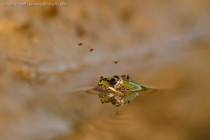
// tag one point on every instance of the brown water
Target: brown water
(164, 44)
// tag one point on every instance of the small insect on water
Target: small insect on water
(116, 61)
(79, 44)
(90, 49)
(119, 90)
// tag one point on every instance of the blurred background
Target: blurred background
(44, 72)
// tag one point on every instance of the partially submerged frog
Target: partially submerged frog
(119, 90)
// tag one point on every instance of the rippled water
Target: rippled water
(44, 73)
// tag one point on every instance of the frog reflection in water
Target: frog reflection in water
(119, 90)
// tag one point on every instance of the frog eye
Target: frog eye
(115, 76)
(128, 77)
(114, 81)
(117, 102)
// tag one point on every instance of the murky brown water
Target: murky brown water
(165, 44)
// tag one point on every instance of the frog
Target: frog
(119, 90)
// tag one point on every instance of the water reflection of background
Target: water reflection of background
(160, 43)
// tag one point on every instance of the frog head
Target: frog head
(115, 83)
(113, 89)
